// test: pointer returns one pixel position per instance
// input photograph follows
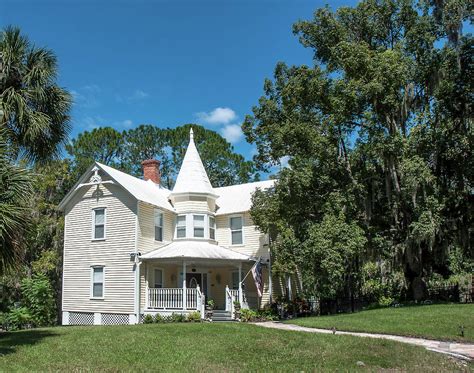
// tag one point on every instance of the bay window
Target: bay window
(198, 225)
(181, 226)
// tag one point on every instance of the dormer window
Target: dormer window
(198, 225)
(181, 226)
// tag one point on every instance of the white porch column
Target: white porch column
(241, 296)
(184, 286)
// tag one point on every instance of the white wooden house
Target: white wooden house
(132, 247)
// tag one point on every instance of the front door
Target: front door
(194, 279)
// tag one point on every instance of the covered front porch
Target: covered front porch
(183, 276)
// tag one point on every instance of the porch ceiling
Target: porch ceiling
(187, 249)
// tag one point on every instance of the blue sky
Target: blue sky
(165, 62)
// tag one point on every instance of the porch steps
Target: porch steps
(219, 315)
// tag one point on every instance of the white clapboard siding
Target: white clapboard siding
(253, 240)
(146, 228)
(80, 252)
(193, 204)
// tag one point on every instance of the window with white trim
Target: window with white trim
(157, 278)
(181, 226)
(198, 225)
(212, 227)
(236, 230)
(97, 282)
(158, 225)
(235, 279)
(98, 216)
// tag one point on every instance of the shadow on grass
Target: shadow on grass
(10, 341)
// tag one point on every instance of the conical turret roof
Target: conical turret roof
(192, 176)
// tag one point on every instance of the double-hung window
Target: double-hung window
(236, 230)
(98, 216)
(181, 226)
(198, 225)
(212, 227)
(97, 279)
(158, 225)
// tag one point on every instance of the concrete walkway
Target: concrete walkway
(460, 350)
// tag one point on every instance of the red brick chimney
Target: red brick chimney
(151, 170)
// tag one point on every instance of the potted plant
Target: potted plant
(209, 308)
(237, 308)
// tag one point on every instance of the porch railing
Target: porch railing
(172, 299)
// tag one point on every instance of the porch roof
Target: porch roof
(196, 250)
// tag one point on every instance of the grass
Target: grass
(440, 321)
(210, 347)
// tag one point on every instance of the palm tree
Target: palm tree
(15, 191)
(34, 124)
(34, 111)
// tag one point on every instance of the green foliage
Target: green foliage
(194, 317)
(158, 319)
(18, 318)
(148, 319)
(210, 304)
(127, 150)
(248, 315)
(34, 110)
(15, 190)
(379, 128)
(104, 145)
(177, 317)
(38, 297)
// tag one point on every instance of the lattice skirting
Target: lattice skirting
(81, 318)
(115, 319)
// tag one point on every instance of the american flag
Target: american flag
(258, 278)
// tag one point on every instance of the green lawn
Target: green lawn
(207, 347)
(440, 321)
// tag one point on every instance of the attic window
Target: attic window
(98, 229)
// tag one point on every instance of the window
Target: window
(198, 224)
(181, 226)
(99, 224)
(236, 230)
(158, 278)
(97, 282)
(212, 228)
(235, 279)
(158, 225)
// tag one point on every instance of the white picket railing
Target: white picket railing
(172, 298)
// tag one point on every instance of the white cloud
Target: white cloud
(220, 115)
(86, 96)
(137, 95)
(127, 123)
(232, 133)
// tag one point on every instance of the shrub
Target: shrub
(18, 318)
(148, 319)
(159, 319)
(178, 317)
(194, 317)
(247, 315)
(39, 300)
